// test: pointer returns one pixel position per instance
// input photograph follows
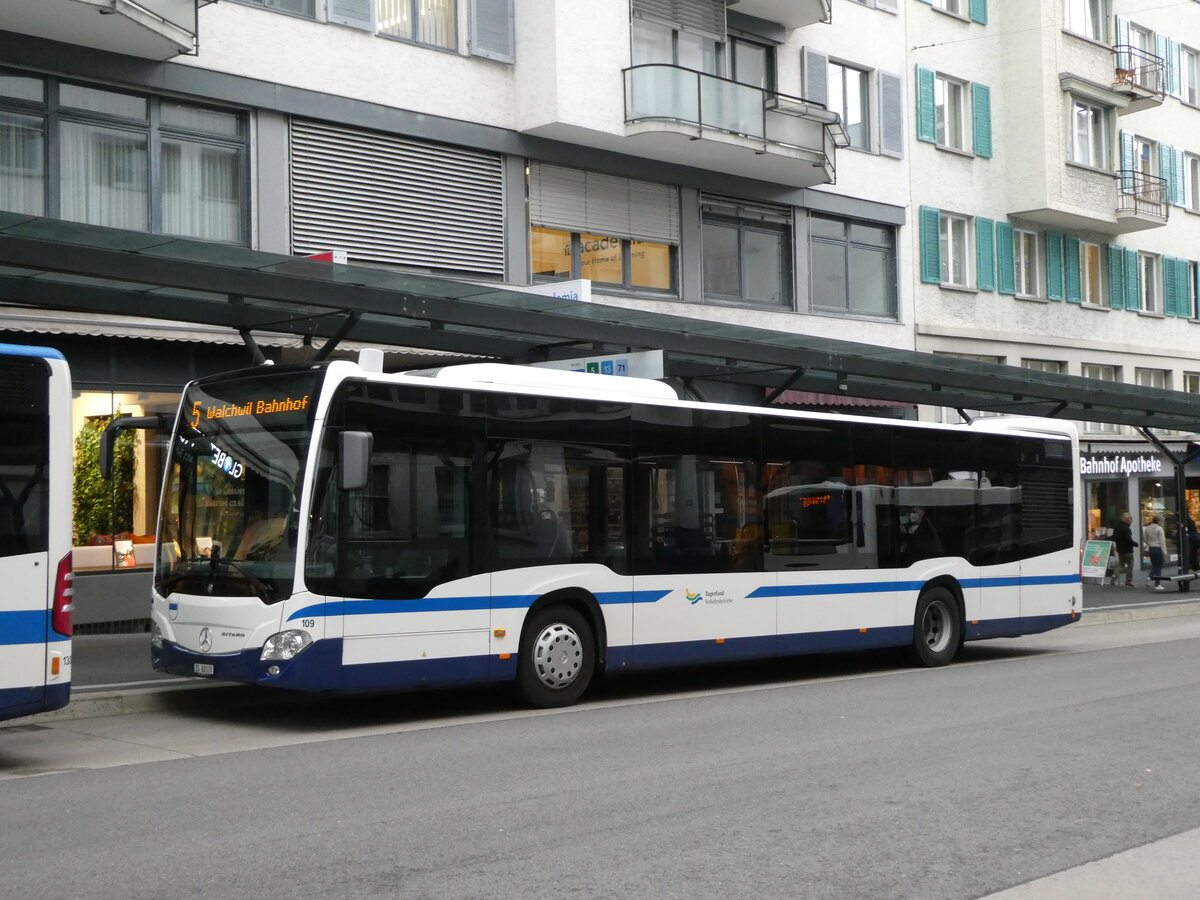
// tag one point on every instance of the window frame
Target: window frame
(849, 246)
(1149, 285)
(1189, 75)
(273, 6)
(55, 116)
(1027, 271)
(577, 249)
(1091, 291)
(1191, 182)
(949, 247)
(1095, 19)
(1101, 372)
(415, 9)
(746, 224)
(1096, 154)
(942, 85)
(842, 105)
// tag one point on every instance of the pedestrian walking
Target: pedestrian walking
(1122, 536)
(1154, 539)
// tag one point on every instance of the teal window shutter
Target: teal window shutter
(1074, 285)
(978, 11)
(1174, 87)
(1054, 266)
(1170, 286)
(1126, 162)
(1116, 276)
(1166, 170)
(1133, 281)
(1006, 264)
(1180, 198)
(985, 256)
(926, 112)
(1124, 57)
(981, 119)
(931, 251)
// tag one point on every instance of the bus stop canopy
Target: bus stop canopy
(53, 264)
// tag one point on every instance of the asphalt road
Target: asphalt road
(829, 777)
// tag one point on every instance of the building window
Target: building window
(1159, 379)
(654, 42)
(1189, 76)
(747, 255)
(1085, 18)
(849, 93)
(1100, 372)
(949, 99)
(611, 261)
(1143, 40)
(1053, 366)
(752, 63)
(430, 22)
(1025, 247)
(951, 6)
(1191, 182)
(1089, 134)
(853, 266)
(1191, 382)
(1091, 273)
(953, 249)
(1190, 306)
(122, 160)
(1148, 293)
(306, 8)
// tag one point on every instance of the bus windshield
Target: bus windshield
(229, 513)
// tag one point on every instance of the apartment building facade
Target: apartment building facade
(1056, 207)
(740, 163)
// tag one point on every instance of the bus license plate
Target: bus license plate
(202, 668)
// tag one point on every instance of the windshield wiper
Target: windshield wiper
(261, 588)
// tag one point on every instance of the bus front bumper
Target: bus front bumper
(316, 668)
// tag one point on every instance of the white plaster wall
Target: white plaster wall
(346, 62)
(569, 62)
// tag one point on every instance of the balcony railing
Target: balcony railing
(660, 92)
(1142, 195)
(1139, 71)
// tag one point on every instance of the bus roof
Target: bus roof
(27, 350)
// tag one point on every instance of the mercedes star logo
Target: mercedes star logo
(205, 639)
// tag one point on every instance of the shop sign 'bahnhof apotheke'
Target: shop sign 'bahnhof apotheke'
(1120, 464)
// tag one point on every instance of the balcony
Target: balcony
(1141, 201)
(149, 29)
(736, 128)
(1139, 76)
(788, 13)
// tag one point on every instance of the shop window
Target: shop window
(113, 522)
(612, 261)
(123, 160)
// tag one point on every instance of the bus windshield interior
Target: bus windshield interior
(229, 512)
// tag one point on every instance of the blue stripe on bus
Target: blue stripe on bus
(25, 701)
(455, 604)
(877, 587)
(28, 626)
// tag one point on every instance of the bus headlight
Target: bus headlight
(285, 645)
(156, 636)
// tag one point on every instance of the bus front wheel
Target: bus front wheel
(557, 658)
(937, 628)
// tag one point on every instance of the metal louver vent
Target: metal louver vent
(389, 199)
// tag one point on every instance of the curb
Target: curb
(195, 694)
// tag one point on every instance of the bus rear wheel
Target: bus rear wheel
(557, 658)
(937, 627)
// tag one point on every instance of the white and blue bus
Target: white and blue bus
(335, 528)
(35, 530)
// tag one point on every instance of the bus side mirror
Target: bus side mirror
(354, 459)
(110, 434)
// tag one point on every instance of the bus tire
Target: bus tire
(556, 659)
(937, 627)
